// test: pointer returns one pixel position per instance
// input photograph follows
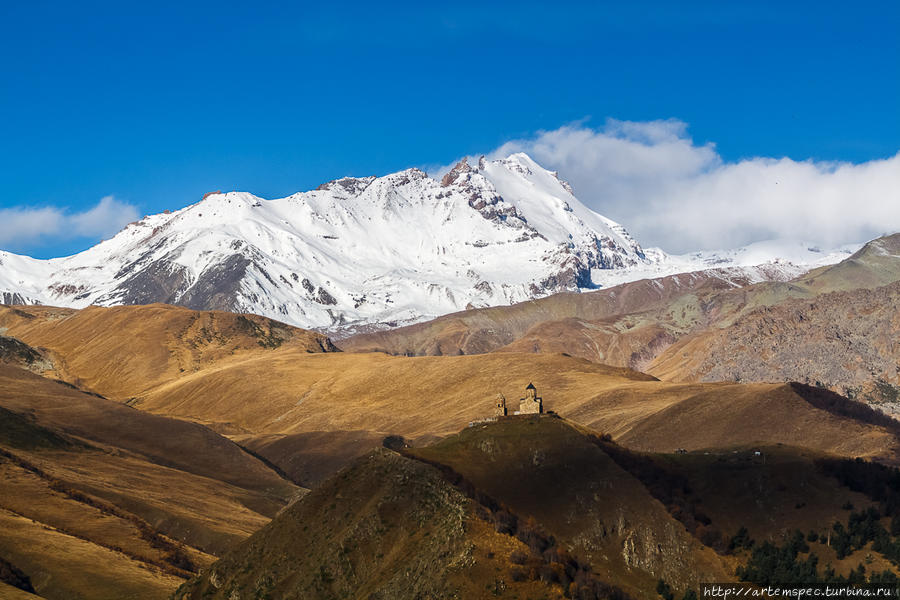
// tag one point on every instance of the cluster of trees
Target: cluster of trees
(546, 561)
(771, 564)
(665, 592)
(740, 540)
(864, 527)
(556, 566)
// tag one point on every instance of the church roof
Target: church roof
(530, 387)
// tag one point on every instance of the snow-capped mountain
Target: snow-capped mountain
(355, 252)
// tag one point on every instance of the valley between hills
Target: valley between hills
(703, 428)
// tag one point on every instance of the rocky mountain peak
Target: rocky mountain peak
(352, 186)
(453, 174)
(355, 253)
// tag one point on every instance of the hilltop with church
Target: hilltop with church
(531, 404)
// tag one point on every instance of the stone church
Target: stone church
(531, 404)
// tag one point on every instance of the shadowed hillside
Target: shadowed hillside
(537, 507)
(385, 528)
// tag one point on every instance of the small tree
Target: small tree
(664, 590)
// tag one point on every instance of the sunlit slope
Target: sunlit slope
(288, 391)
(175, 443)
(65, 566)
(100, 500)
(293, 408)
(122, 351)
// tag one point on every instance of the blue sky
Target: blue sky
(156, 103)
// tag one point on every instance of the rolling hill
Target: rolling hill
(483, 330)
(151, 440)
(121, 351)
(103, 501)
(832, 326)
(310, 412)
(535, 507)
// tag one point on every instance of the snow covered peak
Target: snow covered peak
(355, 252)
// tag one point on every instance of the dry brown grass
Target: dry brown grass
(63, 566)
(138, 499)
(8, 592)
(424, 397)
(283, 401)
(121, 351)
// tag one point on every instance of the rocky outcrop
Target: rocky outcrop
(17, 353)
(843, 341)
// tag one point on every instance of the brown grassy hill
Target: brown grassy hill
(66, 566)
(527, 507)
(173, 443)
(10, 592)
(385, 528)
(121, 351)
(104, 501)
(312, 412)
(295, 408)
(292, 392)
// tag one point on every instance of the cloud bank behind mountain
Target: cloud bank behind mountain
(674, 193)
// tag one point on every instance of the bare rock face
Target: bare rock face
(350, 185)
(453, 174)
(17, 353)
(159, 281)
(843, 341)
(15, 298)
(323, 297)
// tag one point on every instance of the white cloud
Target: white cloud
(29, 227)
(670, 192)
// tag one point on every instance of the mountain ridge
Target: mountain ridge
(357, 254)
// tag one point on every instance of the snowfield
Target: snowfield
(362, 253)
